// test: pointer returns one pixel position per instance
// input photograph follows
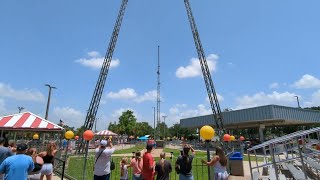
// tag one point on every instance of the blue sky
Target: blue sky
(259, 53)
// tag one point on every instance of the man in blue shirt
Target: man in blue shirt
(17, 166)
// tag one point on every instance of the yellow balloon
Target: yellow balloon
(69, 135)
(35, 136)
(232, 138)
(110, 137)
(207, 132)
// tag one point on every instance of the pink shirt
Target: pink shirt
(136, 165)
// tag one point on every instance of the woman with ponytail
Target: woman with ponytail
(163, 168)
(124, 169)
(219, 162)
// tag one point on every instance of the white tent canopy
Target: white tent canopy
(106, 133)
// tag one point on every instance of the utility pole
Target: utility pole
(95, 125)
(154, 123)
(20, 109)
(298, 101)
(158, 94)
(49, 96)
(164, 127)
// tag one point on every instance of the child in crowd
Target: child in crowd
(124, 169)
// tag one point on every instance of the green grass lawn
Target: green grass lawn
(75, 168)
(75, 164)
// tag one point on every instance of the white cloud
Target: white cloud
(274, 85)
(94, 54)
(69, 116)
(148, 96)
(6, 91)
(307, 81)
(180, 111)
(315, 100)
(95, 61)
(203, 111)
(194, 68)
(117, 113)
(261, 98)
(220, 98)
(127, 93)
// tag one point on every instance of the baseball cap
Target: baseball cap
(103, 143)
(22, 147)
(149, 146)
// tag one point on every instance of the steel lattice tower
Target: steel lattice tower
(95, 101)
(206, 75)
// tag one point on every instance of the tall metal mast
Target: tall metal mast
(95, 101)
(158, 95)
(206, 75)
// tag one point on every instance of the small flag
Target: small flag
(61, 123)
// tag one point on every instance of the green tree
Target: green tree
(127, 122)
(314, 108)
(79, 131)
(68, 128)
(142, 128)
(113, 127)
(163, 128)
(178, 131)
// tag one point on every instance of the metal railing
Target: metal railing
(59, 167)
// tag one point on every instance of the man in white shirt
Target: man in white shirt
(102, 160)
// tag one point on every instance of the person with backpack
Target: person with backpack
(184, 163)
(103, 160)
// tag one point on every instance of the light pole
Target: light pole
(298, 101)
(95, 125)
(48, 102)
(207, 133)
(154, 123)
(20, 109)
(164, 127)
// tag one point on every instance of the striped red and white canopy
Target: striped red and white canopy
(106, 133)
(27, 121)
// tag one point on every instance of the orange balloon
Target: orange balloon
(88, 135)
(241, 138)
(226, 137)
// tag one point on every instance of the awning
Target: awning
(27, 121)
(106, 133)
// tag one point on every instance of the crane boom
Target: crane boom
(206, 74)
(95, 101)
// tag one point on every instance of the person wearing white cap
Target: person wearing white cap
(103, 160)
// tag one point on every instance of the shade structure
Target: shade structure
(106, 133)
(143, 138)
(27, 121)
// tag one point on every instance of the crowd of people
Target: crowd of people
(22, 162)
(144, 167)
